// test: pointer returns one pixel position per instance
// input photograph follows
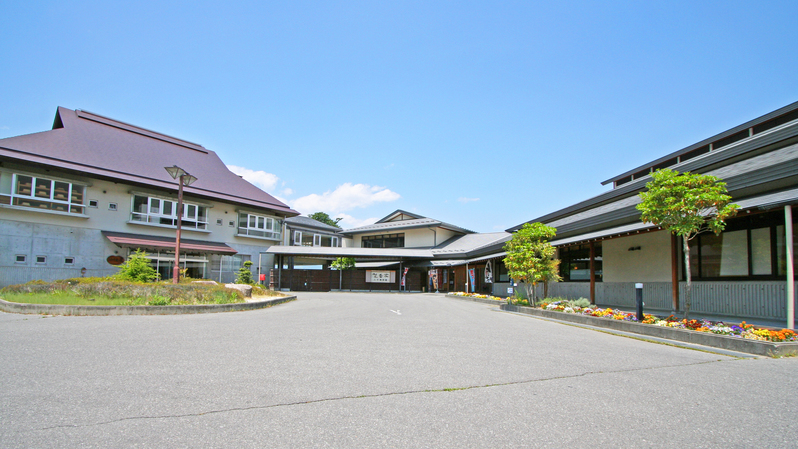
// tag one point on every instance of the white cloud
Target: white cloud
(288, 192)
(264, 181)
(345, 197)
(348, 221)
(463, 199)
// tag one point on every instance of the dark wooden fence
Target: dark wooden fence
(350, 280)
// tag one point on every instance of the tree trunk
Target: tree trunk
(689, 278)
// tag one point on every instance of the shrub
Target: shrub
(244, 274)
(581, 302)
(137, 268)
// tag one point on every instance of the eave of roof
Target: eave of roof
(332, 252)
(736, 129)
(777, 136)
(311, 223)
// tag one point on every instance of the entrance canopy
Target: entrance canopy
(124, 240)
(325, 252)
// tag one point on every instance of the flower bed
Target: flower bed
(477, 295)
(743, 330)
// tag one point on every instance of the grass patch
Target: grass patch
(116, 292)
(63, 298)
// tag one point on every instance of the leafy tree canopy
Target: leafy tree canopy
(325, 218)
(343, 263)
(686, 204)
(530, 256)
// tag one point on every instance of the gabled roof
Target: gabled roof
(308, 222)
(399, 215)
(400, 220)
(98, 146)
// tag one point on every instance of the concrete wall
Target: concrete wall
(652, 263)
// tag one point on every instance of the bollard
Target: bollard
(639, 301)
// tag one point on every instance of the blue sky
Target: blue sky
(484, 114)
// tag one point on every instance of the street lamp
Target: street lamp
(185, 179)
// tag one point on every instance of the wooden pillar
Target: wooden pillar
(675, 271)
(280, 273)
(592, 272)
(790, 267)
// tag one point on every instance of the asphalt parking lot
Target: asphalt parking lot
(375, 370)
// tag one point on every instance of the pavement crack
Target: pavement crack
(369, 396)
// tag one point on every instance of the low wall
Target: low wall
(766, 348)
(58, 309)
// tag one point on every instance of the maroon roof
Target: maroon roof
(100, 146)
(124, 240)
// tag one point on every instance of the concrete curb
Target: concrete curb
(56, 309)
(766, 348)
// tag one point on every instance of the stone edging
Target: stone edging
(766, 348)
(57, 309)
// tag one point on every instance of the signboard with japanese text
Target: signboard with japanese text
(380, 276)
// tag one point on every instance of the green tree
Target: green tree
(686, 204)
(530, 258)
(137, 268)
(341, 264)
(245, 274)
(324, 218)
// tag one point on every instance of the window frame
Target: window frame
(773, 221)
(258, 226)
(382, 238)
(44, 194)
(317, 239)
(157, 214)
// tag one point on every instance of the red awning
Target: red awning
(124, 240)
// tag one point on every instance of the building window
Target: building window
(252, 225)
(575, 263)
(112, 206)
(308, 239)
(41, 259)
(69, 261)
(383, 241)
(219, 222)
(501, 274)
(41, 193)
(21, 258)
(750, 247)
(93, 203)
(163, 212)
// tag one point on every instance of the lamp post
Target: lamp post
(184, 179)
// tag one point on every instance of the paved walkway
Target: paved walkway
(375, 370)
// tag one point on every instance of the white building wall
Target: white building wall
(414, 238)
(32, 233)
(652, 263)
